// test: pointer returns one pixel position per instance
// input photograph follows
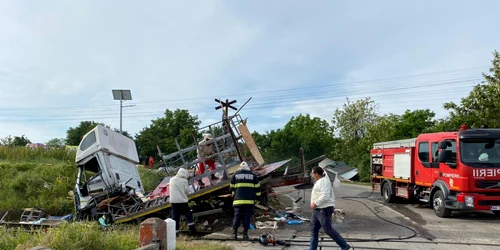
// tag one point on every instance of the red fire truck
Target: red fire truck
(450, 171)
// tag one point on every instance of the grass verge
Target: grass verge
(44, 179)
(82, 236)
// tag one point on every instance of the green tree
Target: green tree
(413, 123)
(482, 105)
(382, 129)
(20, 141)
(163, 131)
(313, 134)
(75, 135)
(445, 125)
(352, 121)
(6, 141)
(353, 124)
(56, 143)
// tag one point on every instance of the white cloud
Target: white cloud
(183, 55)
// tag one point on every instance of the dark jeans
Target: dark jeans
(179, 209)
(244, 212)
(323, 218)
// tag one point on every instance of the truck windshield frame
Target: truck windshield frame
(480, 152)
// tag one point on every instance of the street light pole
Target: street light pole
(122, 95)
(121, 107)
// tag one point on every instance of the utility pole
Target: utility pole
(225, 121)
(121, 107)
(225, 105)
(122, 95)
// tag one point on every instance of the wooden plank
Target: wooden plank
(282, 192)
(247, 136)
(261, 207)
(209, 212)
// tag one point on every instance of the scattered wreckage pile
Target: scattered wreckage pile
(108, 185)
(35, 218)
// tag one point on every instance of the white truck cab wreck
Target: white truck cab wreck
(107, 170)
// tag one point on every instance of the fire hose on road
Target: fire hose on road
(268, 239)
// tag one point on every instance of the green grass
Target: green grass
(70, 236)
(29, 184)
(82, 236)
(44, 178)
(22, 154)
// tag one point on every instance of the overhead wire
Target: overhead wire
(279, 103)
(196, 99)
(413, 103)
(305, 92)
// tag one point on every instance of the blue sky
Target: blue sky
(59, 60)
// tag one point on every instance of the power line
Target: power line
(196, 99)
(457, 82)
(317, 105)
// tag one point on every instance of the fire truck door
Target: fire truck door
(436, 168)
(448, 170)
(424, 166)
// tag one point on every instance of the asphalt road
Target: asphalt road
(360, 218)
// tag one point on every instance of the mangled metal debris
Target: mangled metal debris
(114, 187)
(35, 218)
(344, 171)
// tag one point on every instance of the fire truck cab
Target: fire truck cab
(450, 171)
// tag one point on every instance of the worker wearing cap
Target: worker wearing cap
(179, 190)
(323, 205)
(245, 189)
(206, 150)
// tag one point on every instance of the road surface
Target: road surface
(361, 221)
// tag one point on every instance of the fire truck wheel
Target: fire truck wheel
(387, 193)
(438, 205)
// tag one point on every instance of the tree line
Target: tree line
(348, 136)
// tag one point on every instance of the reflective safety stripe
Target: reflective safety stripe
(257, 185)
(246, 185)
(258, 193)
(243, 202)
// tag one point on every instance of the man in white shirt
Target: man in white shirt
(179, 190)
(323, 204)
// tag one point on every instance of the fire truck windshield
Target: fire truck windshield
(480, 152)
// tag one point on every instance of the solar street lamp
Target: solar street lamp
(122, 95)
